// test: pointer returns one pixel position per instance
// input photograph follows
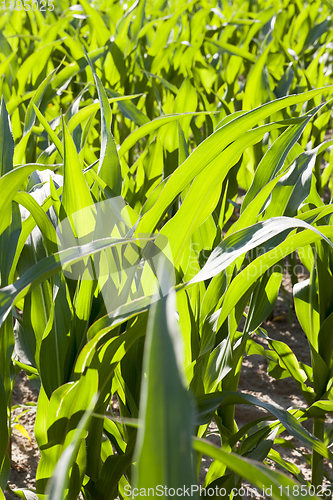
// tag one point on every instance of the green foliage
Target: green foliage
(193, 131)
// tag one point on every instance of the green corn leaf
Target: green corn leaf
(258, 79)
(162, 34)
(9, 240)
(46, 45)
(106, 350)
(96, 23)
(275, 157)
(138, 23)
(209, 149)
(69, 413)
(276, 483)
(205, 192)
(166, 84)
(210, 403)
(285, 464)
(87, 111)
(163, 452)
(234, 50)
(14, 102)
(296, 184)
(4, 65)
(319, 409)
(150, 127)
(325, 340)
(76, 194)
(114, 318)
(111, 474)
(55, 344)
(246, 239)
(27, 67)
(10, 183)
(128, 109)
(57, 142)
(245, 279)
(255, 207)
(65, 404)
(289, 361)
(29, 224)
(109, 166)
(263, 300)
(30, 119)
(23, 493)
(57, 486)
(306, 306)
(73, 68)
(4, 437)
(183, 151)
(39, 215)
(219, 364)
(6, 141)
(49, 266)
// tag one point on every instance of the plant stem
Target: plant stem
(317, 462)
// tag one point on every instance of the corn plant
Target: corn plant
(125, 135)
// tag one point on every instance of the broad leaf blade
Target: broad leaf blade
(164, 441)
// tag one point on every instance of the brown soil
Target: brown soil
(25, 453)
